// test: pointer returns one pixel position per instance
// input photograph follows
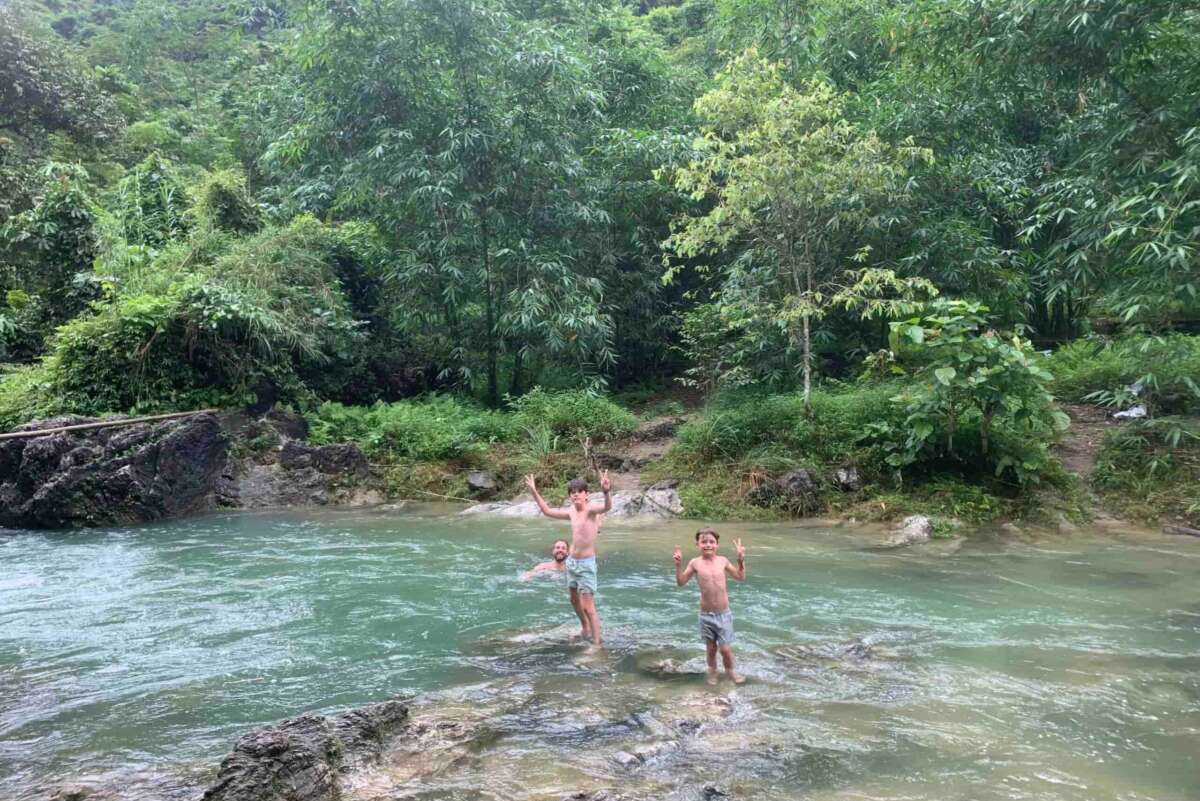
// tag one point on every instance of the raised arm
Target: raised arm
(606, 488)
(557, 514)
(738, 572)
(682, 575)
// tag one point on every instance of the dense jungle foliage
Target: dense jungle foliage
(857, 222)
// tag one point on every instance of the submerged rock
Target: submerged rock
(856, 652)
(111, 476)
(304, 758)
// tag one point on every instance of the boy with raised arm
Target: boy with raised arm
(716, 619)
(581, 563)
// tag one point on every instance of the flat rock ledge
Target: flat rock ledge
(660, 501)
(305, 758)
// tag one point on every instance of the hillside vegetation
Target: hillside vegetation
(449, 231)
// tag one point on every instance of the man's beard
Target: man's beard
(558, 558)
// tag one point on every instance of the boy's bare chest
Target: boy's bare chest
(710, 574)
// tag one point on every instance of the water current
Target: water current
(1056, 668)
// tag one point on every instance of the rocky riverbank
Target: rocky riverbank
(166, 469)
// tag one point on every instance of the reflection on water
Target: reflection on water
(1058, 669)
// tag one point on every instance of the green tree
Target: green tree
(794, 188)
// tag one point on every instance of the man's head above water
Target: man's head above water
(560, 550)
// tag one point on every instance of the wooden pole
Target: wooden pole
(104, 424)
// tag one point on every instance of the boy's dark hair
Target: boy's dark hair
(716, 536)
(577, 485)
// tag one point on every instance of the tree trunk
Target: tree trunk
(516, 385)
(493, 350)
(808, 344)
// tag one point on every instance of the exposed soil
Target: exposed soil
(649, 443)
(1081, 444)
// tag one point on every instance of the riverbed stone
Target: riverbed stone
(848, 478)
(287, 424)
(664, 503)
(481, 484)
(913, 530)
(797, 490)
(304, 758)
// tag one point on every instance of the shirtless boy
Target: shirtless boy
(716, 620)
(581, 563)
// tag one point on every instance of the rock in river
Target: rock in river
(913, 530)
(660, 502)
(304, 758)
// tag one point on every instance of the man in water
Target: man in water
(581, 563)
(557, 563)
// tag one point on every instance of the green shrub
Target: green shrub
(25, 394)
(740, 423)
(223, 202)
(210, 329)
(976, 399)
(432, 429)
(573, 413)
(1167, 365)
(1151, 469)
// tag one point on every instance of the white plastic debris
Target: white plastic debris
(1136, 413)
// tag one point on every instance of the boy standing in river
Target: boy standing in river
(716, 619)
(581, 563)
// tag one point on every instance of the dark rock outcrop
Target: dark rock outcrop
(848, 478)
(304, 758)
(158, 470)
(797, 491)
(481, 484)
(299, 474)
(111, 476)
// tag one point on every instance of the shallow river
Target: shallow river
(1056, 668)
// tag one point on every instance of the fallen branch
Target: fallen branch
(104, 424)
(1181, 530)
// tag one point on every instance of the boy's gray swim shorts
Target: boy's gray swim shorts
(717, 626)
(581, 574)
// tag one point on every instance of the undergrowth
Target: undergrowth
(1150, 470)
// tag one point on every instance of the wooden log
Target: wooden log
(1182, 530)
(105, 424)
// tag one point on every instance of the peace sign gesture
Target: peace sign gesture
(741, 550)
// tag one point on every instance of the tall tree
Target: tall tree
(794, 186)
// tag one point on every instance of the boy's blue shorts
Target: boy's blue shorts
(581, 574)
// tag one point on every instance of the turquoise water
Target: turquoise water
(1057, 668)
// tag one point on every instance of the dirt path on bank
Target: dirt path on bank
(1080, 446)
(649, 442)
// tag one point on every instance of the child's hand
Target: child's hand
(741, 549)
(531, 482)
(605, 484)
(678, 556)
